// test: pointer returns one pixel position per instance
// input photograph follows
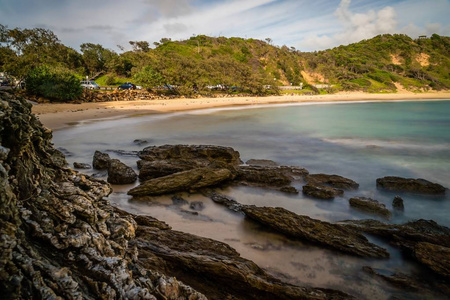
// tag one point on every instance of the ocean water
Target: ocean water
(361, 141)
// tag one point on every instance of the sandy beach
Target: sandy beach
(60, 115)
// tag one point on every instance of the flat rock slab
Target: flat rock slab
(321, 191)
(331, 235)
(197, 154)
(182, 181)
(370, 205)
(420, 186)
(335, 181)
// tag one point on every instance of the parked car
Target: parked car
(90, 84)
(126, 86)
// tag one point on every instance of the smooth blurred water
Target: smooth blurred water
(361, 141)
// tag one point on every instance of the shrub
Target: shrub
(53, 83)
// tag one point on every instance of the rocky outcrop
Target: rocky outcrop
(318, 232)
(120, 173)
(100, 160)
(399, 184)
(369, 205)
(425, 241)
(214, 268)
(326, 234)
(190, 180)
(335, 181)
(194, 155)
(163, 161)
(321, 191)
(60, 238)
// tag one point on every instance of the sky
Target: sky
(305, 25)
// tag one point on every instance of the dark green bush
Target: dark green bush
(53, 83)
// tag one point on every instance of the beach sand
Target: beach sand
(60, 115)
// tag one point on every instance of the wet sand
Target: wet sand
(60, 115)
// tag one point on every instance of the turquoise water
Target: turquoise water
(361, 141)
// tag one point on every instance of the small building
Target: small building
(421, 37)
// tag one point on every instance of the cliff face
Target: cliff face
(59, 237)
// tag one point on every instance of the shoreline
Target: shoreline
(60, 115)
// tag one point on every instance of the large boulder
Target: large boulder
(196, 155)
(100, 160)
(370, 205)
(399, 184)
(183, 181)
(321, 191)
(120, 173)
(335, 181)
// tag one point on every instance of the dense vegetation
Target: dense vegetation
(234, 65)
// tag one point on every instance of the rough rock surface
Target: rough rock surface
(321, 191)
(194, 155)
(60, 239)
(268, 176)
(425, 241)
(78, 165)
(335, 181)
(370, 205)
(303, 227)
(188, 180)
(420, 288)
(100, 160)
(399, 184)
(120, 173)
(261, 162)
(214, 268)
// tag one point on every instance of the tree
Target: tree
(96, 57)
(140, 46)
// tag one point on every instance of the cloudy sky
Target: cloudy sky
(305, 25)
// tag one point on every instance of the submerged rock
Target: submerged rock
(425, 241)
(100, 160)
(120, 173)
(370, 206)
(399, 184)
(335, 181)
(229, 276)
(321, 191)
(196, 205)
(397, 203)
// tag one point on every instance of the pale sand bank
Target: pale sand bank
(57, 116)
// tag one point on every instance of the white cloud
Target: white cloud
(354, 27)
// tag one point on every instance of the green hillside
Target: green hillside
(202, 64)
